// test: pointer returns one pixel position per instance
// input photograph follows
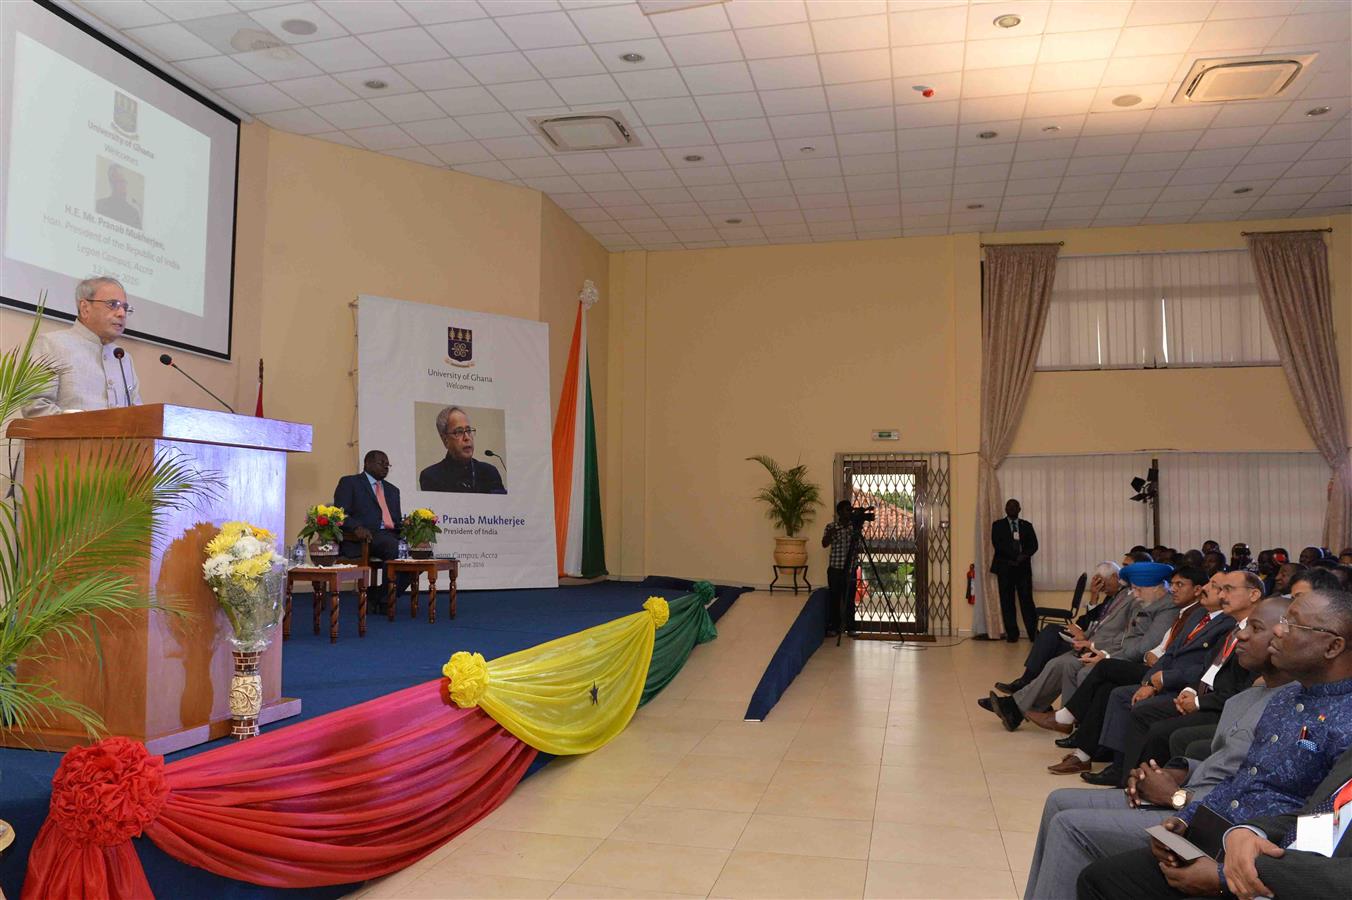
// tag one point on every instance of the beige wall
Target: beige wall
(799, 352)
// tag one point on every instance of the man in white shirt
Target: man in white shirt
(89, 373)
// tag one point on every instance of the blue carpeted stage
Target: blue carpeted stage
(392, 656)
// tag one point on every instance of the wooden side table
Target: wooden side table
(794, 570)
(417, 568)
(327, 583)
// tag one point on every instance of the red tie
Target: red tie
(1196, 628)
(385, 520)
(1173, 632)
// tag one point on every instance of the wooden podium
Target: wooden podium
(165, 678)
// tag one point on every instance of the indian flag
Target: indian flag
(577, 483)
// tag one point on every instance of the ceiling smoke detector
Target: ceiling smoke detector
(987, 135)
(1127, 100)
(693, 157)
(1009, 20)
(591, 131)
(375, 84)
(1242, 77)
(733, 221)
(632, 57)
(1243, 190)
(1318, 111)
(299, 26)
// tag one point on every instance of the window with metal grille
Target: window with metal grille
(1081, 507)
(1156, 310)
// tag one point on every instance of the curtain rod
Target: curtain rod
(1045, 244)
(1294, 231)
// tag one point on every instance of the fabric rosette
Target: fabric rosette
(469, 678)
(658, 609)
(107, 793)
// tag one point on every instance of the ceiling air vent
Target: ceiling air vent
(1241, 78)
(589, 131)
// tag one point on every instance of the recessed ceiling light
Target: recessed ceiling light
(1009, 20)
(976, 206)
(375, 84)
(733, 221)
(1243, 190)
(1317, 111)
(693, 157)
(987, 135)
(1050, 128)
(1126, 100)
(807, 149)
(632, 57)
(299, 26)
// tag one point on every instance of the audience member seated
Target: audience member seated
(1186, 587)
(1182, 664)
(1212, 562)
(1286, 573)
(1297, 768)
(1081, 825)
(1137, 623)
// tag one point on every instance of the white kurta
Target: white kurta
(90, 377)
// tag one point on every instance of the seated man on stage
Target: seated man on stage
(459, 472)
(93, 373)
(1081, 825)
(372, 507)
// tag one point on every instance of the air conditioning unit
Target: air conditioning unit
(586, 131)
(1242, 78)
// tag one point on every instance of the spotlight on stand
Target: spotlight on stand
(1148, 491)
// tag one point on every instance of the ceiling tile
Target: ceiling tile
(719, 78)
(1123, 122)
(1087, 15)
(692, 21)
(351, 114)
(865, 120)
(687, 135)
(848, 34)
(928, 138)
(171, 41)
(740, 130)
(751, 152)
(276, 65)
(316, 90)
(439, 131)
(1235, 34)
(588, 89)
(472, 37)
(1154, 40)
(794, 101)
(765, 171)
(514, 147)
(1242, 114)
(603, 181)
(362, 17)
(539, 30)
(670, 111)
(871, 142)
(989, 109)
(787, 72)
(994, 82)
(928, 26)
(868, 164)
(1066, 76)
(777, 40)
(494, 170)
(491, 125)
(432, 12)
(761, 189)
(217, 72)
(381, 137)
(861, 65)
(496, 68)
(859, 95)
(1021, 51)
(465, 101)
(561, 62)
(612, 23)
(730, 106)
(1167, 141)
(753, 13)
(437, 74)
(927, 114)
(297, 121)
(259, 98)
(405, 45)
(653, 84)
(525, 95)
(701, 49)
(339, 55)
(1058, 103)
(800, 126)
(125, 13)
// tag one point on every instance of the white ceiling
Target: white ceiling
(750, 83)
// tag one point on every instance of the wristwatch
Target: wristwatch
(1180, 798)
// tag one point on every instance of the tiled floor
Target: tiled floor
(875, 776)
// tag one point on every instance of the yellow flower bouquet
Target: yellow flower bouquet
(420, 527)
(246, 575)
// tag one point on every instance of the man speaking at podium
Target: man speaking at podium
(92, 373)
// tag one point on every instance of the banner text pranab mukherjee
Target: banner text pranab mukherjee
(90, 374)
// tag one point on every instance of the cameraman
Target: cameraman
(839, 577)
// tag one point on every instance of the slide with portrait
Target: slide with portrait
(459, 401)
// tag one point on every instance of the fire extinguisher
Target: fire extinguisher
(971, 584)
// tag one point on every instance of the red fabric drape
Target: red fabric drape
(351, 795)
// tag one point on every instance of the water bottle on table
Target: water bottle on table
(403, 549)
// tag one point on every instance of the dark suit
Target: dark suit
(1150, 740)
(450, 476)
(1136, 876)
(1013, 570)
(358, 499)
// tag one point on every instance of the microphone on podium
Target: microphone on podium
(168, 360)
(498, 457)
(118, 353)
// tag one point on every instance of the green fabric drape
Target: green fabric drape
(688, 626)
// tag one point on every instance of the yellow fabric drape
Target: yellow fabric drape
(571, 695)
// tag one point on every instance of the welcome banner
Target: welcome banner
(459, 401)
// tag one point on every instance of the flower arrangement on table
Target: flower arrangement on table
(247, 576)
(324, 529)
(420, 529)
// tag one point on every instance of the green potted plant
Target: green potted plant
(789, 499)
(420, 529)
(68, 546)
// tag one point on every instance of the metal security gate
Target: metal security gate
(905, 590)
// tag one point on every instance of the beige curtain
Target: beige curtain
(1293, 280)
(1017, 289)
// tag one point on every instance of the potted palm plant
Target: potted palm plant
(789, 499)
(67, 548)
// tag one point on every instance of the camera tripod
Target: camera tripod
(858, 545)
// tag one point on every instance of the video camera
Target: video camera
(861, 514)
